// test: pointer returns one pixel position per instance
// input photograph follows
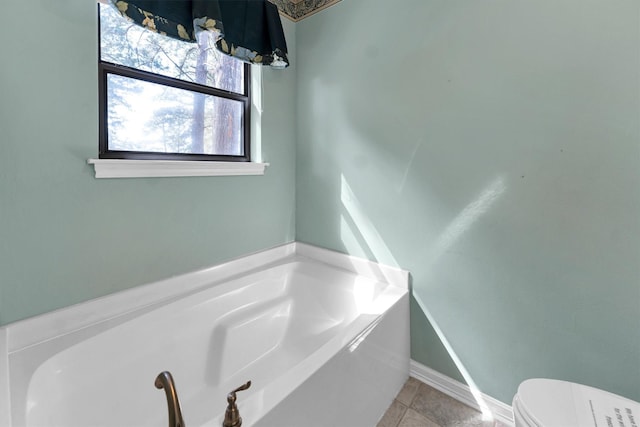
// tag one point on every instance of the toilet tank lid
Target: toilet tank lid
(560, 403)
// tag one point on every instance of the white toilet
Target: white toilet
(553, 403)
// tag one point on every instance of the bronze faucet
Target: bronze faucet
(232, 416)
(165, 380)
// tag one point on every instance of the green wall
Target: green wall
(492, 149)
(66, 237)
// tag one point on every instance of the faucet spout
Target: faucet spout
(164, 380)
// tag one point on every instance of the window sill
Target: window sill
(117, 168)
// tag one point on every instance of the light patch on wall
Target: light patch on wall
(487, 415)
(365, 228)
(466, 218)
(351, 242)
(409, 165)
(454, 231)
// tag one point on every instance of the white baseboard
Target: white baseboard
(461, 392)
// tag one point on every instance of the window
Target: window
(166, 99)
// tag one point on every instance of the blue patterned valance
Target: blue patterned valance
(249, 30)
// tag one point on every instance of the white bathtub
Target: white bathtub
(322, 336)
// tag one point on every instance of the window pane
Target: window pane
(149, 117)
(125, 43)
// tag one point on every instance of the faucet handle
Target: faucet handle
(241, 388)
(232, 415)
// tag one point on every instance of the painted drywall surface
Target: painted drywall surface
(492, 149)
(66, 237)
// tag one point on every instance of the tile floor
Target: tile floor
(418, 405)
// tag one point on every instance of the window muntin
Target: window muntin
(162, 98)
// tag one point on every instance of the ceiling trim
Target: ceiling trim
(296, 10)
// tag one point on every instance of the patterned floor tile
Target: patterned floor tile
(413, 419)
(409, 391)
(445, 410)
(419, 405)
(393, 415)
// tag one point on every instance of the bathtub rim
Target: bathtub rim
(32, 331)
(102, 313)
(5, 401)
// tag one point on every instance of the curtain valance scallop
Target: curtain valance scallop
(249, 30)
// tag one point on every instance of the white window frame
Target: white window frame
(135, 168)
